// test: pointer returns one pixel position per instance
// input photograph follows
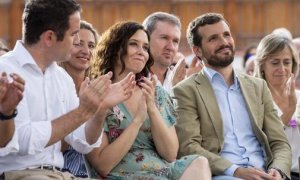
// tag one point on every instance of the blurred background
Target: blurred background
(250, 20)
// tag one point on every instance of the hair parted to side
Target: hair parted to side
(88, 26)
(42, 15)
(112, 47)
(193, 37)
(151, 20)
(270, 45)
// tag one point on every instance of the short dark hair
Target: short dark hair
(42, 15)
(112, 46)
(193, 37)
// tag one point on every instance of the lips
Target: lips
(83, 58)
(224, 49)
(167, 55)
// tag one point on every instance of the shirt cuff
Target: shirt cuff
(77, 140)
(11, 147)
(230, 171)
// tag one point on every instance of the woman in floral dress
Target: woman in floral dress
(140, 140)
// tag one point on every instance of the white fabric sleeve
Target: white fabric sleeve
(33, 135)
(77, 140)
(11, 147)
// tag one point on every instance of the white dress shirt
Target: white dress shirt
(167, 84)
(47, 96)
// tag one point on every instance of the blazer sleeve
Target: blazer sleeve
(188, 128)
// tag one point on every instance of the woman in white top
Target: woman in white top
(277, 62)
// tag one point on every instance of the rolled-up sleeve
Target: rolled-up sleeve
(77, 140)
(11, 147)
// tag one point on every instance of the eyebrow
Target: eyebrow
(137, 41)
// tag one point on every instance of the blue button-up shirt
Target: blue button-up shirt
(241, 146)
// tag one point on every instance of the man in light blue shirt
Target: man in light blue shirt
(240, 143)
(227, 117)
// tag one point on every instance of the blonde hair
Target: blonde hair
(270, 45)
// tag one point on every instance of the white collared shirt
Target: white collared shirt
(293, 136)
(167, 84)
(47, 96)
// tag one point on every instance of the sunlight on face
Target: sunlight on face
(137, 52)
(278, 68)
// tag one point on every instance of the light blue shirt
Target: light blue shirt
(241, 146)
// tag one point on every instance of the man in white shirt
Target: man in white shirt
(165, 33)
(11, 94)
(164, 30)
(50, 109)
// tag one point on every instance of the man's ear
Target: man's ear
(197, 51)
(48, 37)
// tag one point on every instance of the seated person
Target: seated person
(249, 52)
(250, 66)
(77, 67)
(140, 140)
(228, 117)
(278, 62)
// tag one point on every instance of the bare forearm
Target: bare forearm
(67, 123)
(165, 137)
(7, 129)
(105, 160)
(94, 127)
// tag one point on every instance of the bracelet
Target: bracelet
(292, 123)
(4, 117)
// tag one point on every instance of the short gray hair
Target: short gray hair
(151, 20)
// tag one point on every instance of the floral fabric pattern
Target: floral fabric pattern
(142, 162)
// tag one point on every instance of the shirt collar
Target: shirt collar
(212, 75)
(23, 57)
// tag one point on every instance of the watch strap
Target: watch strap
(4, 117)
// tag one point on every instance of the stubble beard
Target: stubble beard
(220, 62)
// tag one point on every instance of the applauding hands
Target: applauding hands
(10, 93)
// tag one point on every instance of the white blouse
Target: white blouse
(293, 136)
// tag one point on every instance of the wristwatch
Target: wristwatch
(4, 117)
(283, 175)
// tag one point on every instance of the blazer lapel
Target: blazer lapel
(209, 100)
(251, 100)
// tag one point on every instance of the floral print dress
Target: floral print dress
(143, 161)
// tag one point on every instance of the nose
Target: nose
(76, 39)
(140, 50)
(85, 49)
(223, 40)
(171, 45)
(281, 67)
